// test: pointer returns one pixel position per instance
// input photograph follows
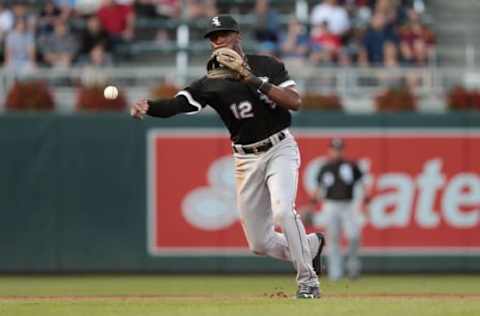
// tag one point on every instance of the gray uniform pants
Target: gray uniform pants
(266, 190)
(341, 217)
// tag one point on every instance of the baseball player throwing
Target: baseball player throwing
(253, 95)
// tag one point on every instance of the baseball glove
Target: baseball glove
(215, 70)
(227, 63)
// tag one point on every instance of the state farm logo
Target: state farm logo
(212, 207)
(426, 190)
(397, 196)
(431, 195)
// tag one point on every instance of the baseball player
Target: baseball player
(254, 95)
(336, 180)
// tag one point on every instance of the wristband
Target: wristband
(259, 84)
(265, 87)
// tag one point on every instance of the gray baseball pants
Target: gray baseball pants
(266, 186)
(341, 217)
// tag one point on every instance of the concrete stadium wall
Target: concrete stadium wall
(72, 194)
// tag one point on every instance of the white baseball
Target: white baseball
(110, 92)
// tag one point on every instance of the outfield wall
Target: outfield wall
(103, 192)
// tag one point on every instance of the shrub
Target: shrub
(460, 98)
(90, 98)
(396, 99)
(30, 95)
(316, 101)
(476, 100)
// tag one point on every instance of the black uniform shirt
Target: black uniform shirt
(249, 115)
(337, 178)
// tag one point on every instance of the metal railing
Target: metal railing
(353, 84)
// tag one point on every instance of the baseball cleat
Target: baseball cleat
(317, 260)
(308, 292)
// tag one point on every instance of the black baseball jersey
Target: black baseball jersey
(337, 179)
(248, 114)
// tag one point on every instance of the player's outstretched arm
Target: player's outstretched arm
(161, 108)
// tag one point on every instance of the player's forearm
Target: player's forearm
(284, 97)
(169, 107)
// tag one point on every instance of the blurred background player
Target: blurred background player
(336, 185)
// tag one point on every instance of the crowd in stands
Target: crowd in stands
(65, 33)
(44, 34)
(361, 32)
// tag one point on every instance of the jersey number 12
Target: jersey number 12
(242, 110)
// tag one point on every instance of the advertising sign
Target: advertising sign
(425, 189)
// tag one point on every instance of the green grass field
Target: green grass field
(147, 295)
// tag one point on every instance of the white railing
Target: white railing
(357, 86)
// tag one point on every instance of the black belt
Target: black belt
(261, 147)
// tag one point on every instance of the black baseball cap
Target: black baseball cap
(337, 143)
(221, 23)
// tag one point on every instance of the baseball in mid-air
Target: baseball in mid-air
(110, 92)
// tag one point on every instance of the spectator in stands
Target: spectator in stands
(325, 45)
(360, 13)
(295, 43)
(379, 44)
(388, 9)
(334, 14)
(201, 8)
(66, 8)
(267, 27)
(60, 47)
(49, 14)
(22, 11)
(171, 8)
(154, 9)
(352, 48)
(98, 56)
(6, 21)
(158, 8)
(92, 36)
(20, 48)
(92, 74)
(393, 12)
(416, 40)
(118, 20)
